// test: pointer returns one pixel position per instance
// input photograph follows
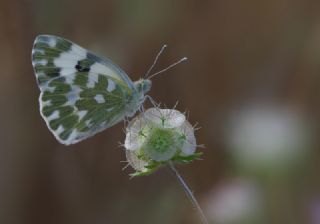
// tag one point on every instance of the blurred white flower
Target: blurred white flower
(268, 137)
(233, 202)
(158, 136)
(314, 211)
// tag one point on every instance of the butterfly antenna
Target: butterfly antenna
(169, 67)
(155, 60)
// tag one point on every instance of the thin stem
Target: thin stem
(189, 193)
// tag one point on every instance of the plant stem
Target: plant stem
(189, 193)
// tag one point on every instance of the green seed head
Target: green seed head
(162, 144)
(158, 136)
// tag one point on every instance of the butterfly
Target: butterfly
(81, 93)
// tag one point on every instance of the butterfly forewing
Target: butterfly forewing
(81, 94)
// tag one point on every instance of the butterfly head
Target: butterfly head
(143, 86)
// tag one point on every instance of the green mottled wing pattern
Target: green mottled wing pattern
(81, 94)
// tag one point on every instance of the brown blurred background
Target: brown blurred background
(251, 82)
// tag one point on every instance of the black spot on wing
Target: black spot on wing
(80, 68)
(84, 65)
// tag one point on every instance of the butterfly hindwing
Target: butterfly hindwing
(81, 94)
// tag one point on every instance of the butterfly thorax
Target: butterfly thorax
(142, 86)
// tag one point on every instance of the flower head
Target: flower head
(158, 136)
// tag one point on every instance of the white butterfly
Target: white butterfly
(81, 93)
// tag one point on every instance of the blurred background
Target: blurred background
(251, 82)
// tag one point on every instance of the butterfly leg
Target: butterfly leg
(152, 101)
